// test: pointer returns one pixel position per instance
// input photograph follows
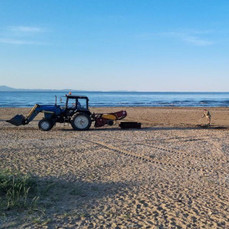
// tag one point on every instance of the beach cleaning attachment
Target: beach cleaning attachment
(75, 111)
(103, 119)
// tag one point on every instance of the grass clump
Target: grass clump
(16, 190)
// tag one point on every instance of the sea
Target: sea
(118, 99)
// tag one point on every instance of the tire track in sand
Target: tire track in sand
(205, 168)
(138, 156)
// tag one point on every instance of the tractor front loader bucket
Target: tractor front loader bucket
(17, 120)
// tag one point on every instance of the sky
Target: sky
(133, 45)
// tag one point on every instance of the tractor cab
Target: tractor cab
(77, 103)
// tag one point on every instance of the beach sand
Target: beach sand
(172, 173)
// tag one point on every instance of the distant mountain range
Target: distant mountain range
(6, 88)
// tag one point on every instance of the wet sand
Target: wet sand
(172, 173)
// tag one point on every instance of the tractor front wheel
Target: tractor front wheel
(46, 124)
(81, 121)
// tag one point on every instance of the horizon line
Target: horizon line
(10, 89)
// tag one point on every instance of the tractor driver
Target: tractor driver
(75, 105)
(78, 105)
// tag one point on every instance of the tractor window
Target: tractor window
(71, 103)
(82, 104)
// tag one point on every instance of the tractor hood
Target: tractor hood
(51, 108)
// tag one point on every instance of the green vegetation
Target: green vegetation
(25, 198)
(17, 190)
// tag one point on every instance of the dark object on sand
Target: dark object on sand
(206, 126)
(212, 127)
(75, 111)
(130, 125)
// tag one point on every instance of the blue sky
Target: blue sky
(142, 45)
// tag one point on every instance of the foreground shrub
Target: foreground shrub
(17, 190)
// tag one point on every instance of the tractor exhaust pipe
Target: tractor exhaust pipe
(17, 120)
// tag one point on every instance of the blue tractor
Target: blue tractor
(75, 111)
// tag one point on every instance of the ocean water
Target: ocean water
(119, 99)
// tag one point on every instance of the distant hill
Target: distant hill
(6, 88)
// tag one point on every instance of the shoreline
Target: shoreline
(150, 116)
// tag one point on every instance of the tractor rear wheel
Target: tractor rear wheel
(81, 121)
(46, 124)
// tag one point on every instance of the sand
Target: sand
(170, 174)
